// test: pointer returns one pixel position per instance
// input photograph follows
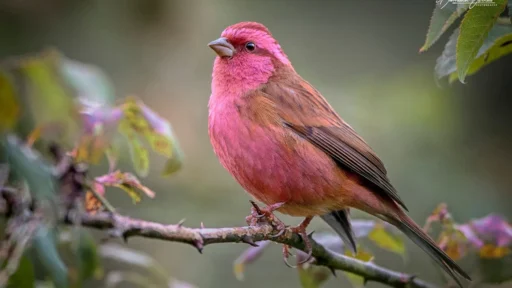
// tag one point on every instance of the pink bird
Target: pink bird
(288, 148)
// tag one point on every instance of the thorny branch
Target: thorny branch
(73, 183)
(125, 227)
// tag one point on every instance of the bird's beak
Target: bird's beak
(222, 47)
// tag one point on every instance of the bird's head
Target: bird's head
(247, 41)
(247, 55)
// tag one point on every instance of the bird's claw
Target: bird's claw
(279, 233)
(266, 215)
(286, 254)
(301, 230)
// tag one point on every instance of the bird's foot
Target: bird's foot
(266, 216)
(301, 230)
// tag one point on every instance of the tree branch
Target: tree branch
(72, 178)
(125, 227)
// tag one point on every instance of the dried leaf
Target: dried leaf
(491, 251)
(453, 242)
(99, 123)
(92, 204)
(140, 120)
(489, 238)
(126, 181)
(451, 239)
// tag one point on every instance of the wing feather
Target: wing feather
(306, 113)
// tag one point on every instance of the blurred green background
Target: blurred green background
(440, 143)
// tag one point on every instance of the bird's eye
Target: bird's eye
(250, 46)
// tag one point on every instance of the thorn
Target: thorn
(410, 279)
(310, 235)
(333, 272)
(180, 223)
(202, 225)
(199, 246)
(117, 234)
(248, 240)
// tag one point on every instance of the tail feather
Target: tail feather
(418, 236)
(340, 222)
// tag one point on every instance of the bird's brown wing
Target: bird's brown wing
(304, 110)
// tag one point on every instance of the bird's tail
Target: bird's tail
(340, 222)
(423, 240)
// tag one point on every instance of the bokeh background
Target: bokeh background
(440, 142)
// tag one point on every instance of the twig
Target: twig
(126, 227)
(20, 229)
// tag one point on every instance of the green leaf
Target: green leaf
(140, 157)
(386, 240)
(141, 120)
(89, 82)
(497, 44)
(139, 154)
(26, 164)
(88, 260)
(496, 270)
(9, 106)
(473, 30)
(48, 99)
(445, 13)
(135, 258)
(312, 276)
(24, 277)
(44, 244)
